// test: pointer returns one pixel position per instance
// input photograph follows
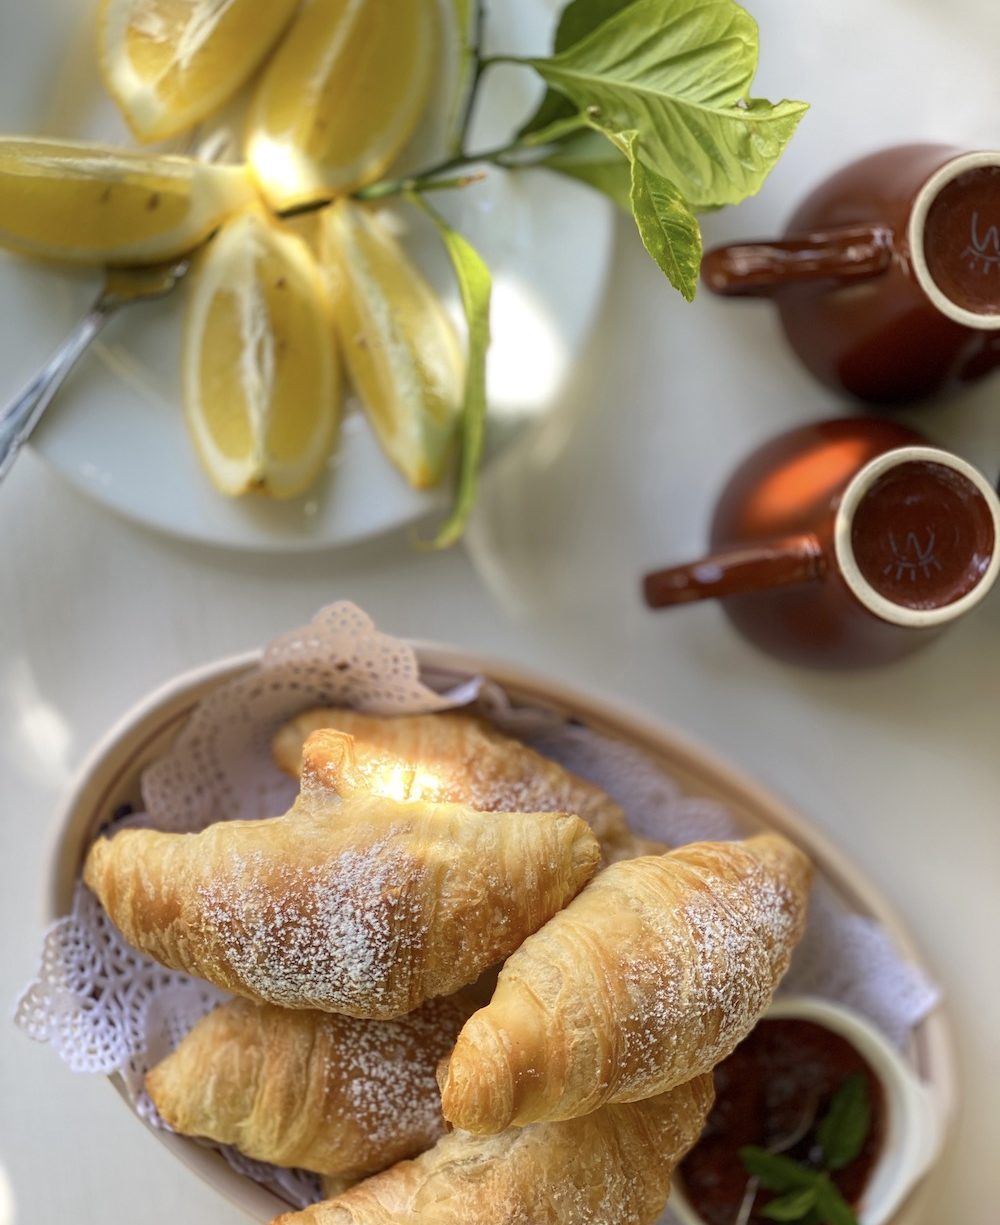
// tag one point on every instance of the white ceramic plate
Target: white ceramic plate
(116, 431)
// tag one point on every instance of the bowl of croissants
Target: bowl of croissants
(454, 985)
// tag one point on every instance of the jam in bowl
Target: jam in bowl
(815, 1105)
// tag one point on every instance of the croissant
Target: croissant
(611, 1168)
(313, 1090)
(648, 978)
(459, 758)
(349, 903)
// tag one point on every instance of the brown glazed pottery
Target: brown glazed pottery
(888, 277)
(844, 543)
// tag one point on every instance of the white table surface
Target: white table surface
(899, 766)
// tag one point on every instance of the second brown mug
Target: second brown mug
(843, 544)
(887, 278)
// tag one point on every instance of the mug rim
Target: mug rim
(918, 219)
(859, 586)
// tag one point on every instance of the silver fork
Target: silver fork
(122, 286)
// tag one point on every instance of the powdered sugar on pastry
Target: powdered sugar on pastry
(649, 977)
(312, 1090)
(357, 904)
(339, 935)
(612, 1166)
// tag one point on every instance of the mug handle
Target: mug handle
(783, 562)
(760, 269)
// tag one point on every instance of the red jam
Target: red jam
(776, 1087)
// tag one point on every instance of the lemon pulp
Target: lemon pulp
(90, 204)
(261, 376)
(342, 95)
(399, 345)
(170, 63)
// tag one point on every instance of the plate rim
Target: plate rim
(274, 535)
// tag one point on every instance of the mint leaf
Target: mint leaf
(579, 18)
(775, 1172)
(845, 1126)
(791, 1207)
(678, 73)
(590, 158)
(667, 227)
(475, 287)
(833, 1208)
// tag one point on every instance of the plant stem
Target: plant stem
(422, 184)
(419, 182)
(473, 53)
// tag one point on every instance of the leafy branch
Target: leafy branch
(805, 1192)
(648, 102)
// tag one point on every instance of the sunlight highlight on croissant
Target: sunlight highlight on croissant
(402, 782)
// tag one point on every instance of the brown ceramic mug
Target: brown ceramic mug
(887, 279)
(845, 543)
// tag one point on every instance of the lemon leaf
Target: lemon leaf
(678, 72)
(475, 286)
(667, 227)
(579, 18)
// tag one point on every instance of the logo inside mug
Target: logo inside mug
(955, 239)
(916, 536)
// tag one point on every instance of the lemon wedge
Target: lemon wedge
(170, 63)
(89, 204)
(260, 370)
(399, 345)
(340, 98)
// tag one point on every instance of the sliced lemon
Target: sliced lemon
(340, 98)
(92, 205)
(170, 63)
(260, 370)
(398, 343)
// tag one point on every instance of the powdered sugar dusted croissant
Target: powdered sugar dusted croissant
(314, 1090)
(459, 758)
(649, 977)
(611, 1168)
(350, 902)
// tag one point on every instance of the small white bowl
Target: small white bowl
(914, 1131)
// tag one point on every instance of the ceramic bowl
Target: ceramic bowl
(110, 778)
(914, 1125)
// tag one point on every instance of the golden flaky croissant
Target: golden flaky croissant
(611, 1168)
(349, 903)
(649, 977)
(462, 759)
(334, 1094)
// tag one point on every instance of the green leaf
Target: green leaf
(775, 1172)
(475, 287)
(791, 1207)
(833, 1208)
(583, 17)
(845, 1125)
(590, 158)
(579, 18)
(678, 72)
(667, 227)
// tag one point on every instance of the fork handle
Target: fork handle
(23, 413)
